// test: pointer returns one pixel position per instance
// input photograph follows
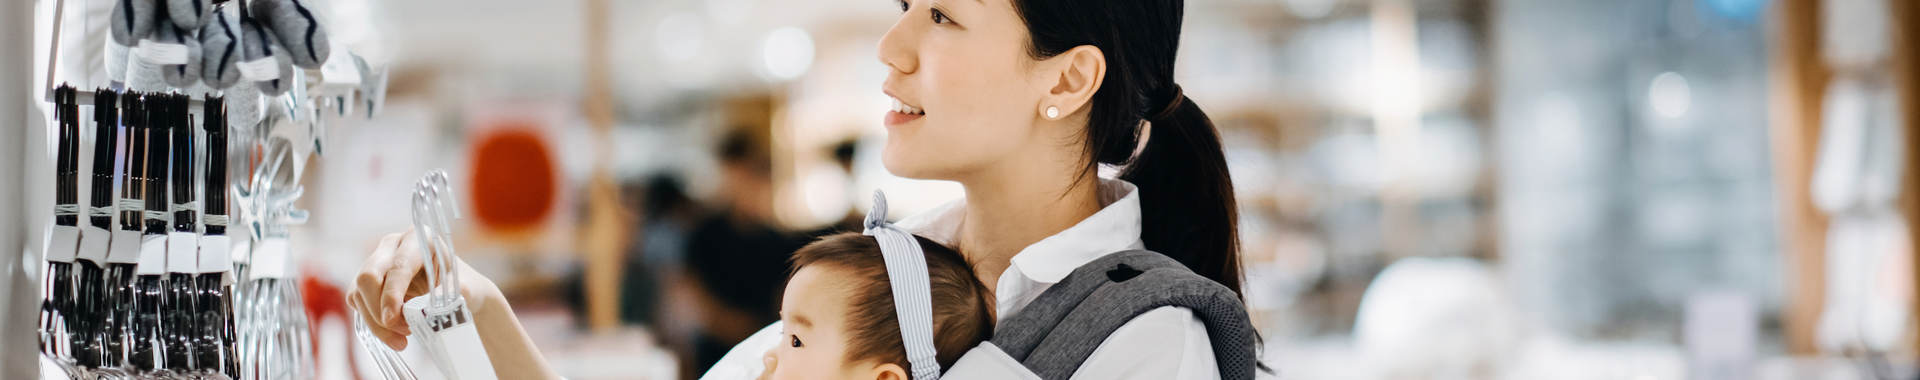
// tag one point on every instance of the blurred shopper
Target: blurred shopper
(843, 156)
(660, 251)
(735, 257)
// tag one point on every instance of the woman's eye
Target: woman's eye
(904, 5)
(940, 17)
(794, 340)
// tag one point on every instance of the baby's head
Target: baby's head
(839, 316)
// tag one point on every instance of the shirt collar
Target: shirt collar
(1115, 228)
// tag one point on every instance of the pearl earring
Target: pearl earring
(1053, 112)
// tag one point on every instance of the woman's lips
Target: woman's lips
(902, 113)
(897, 118)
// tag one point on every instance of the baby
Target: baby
(839, 318)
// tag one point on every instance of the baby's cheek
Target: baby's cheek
(791, 366)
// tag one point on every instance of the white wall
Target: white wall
(18, 343)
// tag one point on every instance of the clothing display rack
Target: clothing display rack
(178, 265)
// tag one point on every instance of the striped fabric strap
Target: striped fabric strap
(907, 271)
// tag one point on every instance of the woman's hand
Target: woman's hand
(393, 274)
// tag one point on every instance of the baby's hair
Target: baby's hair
(961, 314)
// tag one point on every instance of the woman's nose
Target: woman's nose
(897, 48)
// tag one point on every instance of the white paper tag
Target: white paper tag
(270, 259)
(213, 254)
(259, 70)
(63, 244)
(183, 252)
(339, 70)
(163, 53)
(126, 247)
(241, 249)
(450, 337)
(153, 255)
(93, 244)
(463, 346)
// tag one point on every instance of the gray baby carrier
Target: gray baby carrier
(1058, 331)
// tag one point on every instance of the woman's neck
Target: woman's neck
(1005, 215)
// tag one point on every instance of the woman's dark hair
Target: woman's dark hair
(1186, 197)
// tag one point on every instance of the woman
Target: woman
(1019, 101)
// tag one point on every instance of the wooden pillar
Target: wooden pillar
(1905, 30)
(1797, 82)
(604, 235)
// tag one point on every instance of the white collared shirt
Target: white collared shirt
(1164, 343)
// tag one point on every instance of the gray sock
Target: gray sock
(259, 45)
(220, 53)
(189, 14)
(144, 75)
(180, 76)
(298, 30)
(117, 56)
(243, 107)
(133, 20)
(280, 86)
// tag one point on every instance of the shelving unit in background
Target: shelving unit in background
(1906, 67)
(1797, 84)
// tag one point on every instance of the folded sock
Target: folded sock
(220, 53)
(243, 108)
(297, 28)
(260, 50)
(189, 14)
(116, 61)
(143, 74)
(133, 20)
(180, 74)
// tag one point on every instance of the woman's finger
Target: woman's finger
(399, 277)
(372, 277)
(397, 342)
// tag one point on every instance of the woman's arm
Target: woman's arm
(391, 276)
(513, 353)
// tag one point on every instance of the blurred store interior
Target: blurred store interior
(1428, 189)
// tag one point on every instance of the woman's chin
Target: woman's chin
(901, 165)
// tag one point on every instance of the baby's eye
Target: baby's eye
(794, 340)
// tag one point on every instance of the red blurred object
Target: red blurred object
(324, 300)
(514, 180)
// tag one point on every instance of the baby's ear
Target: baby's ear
(889, 371)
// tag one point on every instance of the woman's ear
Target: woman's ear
(889, 371)
(1075, 76)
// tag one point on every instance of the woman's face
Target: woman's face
(964, 65)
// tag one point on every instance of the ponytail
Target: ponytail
(1186, 195)
(1186, 198)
